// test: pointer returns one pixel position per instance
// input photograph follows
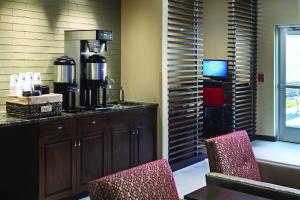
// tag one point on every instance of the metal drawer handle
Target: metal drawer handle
(59, 127)
(94, 122)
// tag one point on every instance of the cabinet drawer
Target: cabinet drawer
(92, 123)
(57, 127)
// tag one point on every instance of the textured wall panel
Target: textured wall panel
(32, 35)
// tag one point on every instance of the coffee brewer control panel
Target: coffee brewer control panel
(104, 35)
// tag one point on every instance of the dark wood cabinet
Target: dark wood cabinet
(133, 139)
(145, 141)
(18, 168)
(55, 159)
(57, 167)
(121, 142)
(92, 154)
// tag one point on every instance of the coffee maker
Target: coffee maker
(87, 48)
(65, 83)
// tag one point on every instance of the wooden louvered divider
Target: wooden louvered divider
(185, 55)
(243, 54)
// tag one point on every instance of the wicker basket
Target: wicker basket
(34, 107)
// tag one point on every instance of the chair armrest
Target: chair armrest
(279, 173)
(258, 188)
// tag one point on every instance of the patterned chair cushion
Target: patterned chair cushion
(153, 180)
(232, 154)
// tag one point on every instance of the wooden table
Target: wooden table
(218, 193)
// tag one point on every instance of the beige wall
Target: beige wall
(144, 38)
(32, 34)
(141, 65)
(141, 54)
(273, 12)
(215, 25)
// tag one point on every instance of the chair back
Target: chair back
(232, 154)
(152, 180)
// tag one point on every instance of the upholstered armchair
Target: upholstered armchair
(153, 180)
(233, 165)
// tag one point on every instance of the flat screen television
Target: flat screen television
(215, 68)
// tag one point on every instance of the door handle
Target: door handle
(75, 144)
(133, 132)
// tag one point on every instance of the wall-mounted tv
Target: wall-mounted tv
(215, 68)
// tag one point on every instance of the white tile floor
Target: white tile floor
(193, 177)
(284, 152)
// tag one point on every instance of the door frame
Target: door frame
(281, 32)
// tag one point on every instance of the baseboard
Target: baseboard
(266, 138)
(184, 163)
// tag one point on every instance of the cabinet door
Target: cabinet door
(91, 163)
(145, 137)
(57, 166)
(121, 151)
(18, 147)
(145, 142)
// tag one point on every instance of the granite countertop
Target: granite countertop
(6, 120)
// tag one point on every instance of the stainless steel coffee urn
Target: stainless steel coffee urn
(95, 81)
(87, 48)
(65, 82)
(95, 68)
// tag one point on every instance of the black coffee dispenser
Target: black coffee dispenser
(64, 82)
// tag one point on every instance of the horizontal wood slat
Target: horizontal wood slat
(185, 49)
(243, 50)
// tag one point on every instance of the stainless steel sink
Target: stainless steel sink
(127, 104)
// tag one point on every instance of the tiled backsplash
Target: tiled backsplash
(32, 35)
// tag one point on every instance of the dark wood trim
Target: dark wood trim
(242, 51)
(185, 163)
(266, 138)
(185, 57)
(19, 162)
(252, 137)
(217, 193)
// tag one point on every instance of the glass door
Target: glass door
(289, 83)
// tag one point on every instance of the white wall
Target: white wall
(272, 13)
